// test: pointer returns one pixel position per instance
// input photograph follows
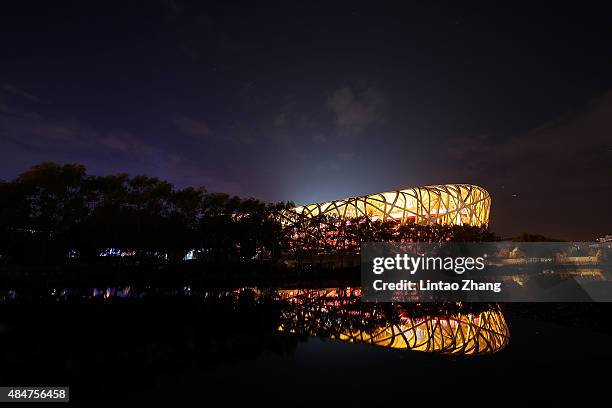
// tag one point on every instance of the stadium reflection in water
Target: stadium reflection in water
(449, 329)
(332, 313)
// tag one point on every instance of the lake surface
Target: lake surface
(294, 346)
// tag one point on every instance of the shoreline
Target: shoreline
(210, 275)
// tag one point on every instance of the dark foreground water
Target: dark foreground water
(297, 347)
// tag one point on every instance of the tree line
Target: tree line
(53, 212)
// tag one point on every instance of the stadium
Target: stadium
(444, 204)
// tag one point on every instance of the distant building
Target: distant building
(607, 238)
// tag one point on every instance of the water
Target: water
(293, 347)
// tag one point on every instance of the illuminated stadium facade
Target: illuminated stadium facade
(444, 204)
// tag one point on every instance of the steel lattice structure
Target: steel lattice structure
(445, 204)
(339, 314)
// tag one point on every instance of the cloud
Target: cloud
(128, 143)
(281, 119)
(10, 99)
(190, 172)
(335, 163)
(319, 138)
(29, 137)
(33, 136)
(356, 110)
(192, 127)
(35, 131)
(568, 148)
(200, 129)
(8, 110)
(291, 115)
(345, 156)
(560, 171)
(15, 91)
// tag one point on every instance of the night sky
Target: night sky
(320, 101)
